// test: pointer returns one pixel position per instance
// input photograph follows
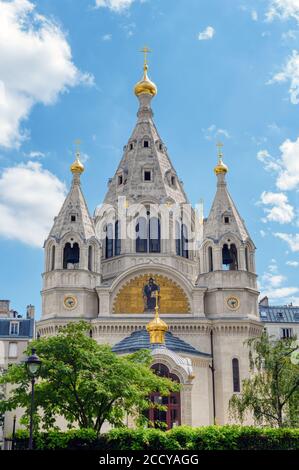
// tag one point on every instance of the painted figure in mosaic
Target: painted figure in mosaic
(149, 294)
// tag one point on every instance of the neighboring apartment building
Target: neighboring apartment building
(280, 321)
(15, 333)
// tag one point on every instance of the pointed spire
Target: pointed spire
(223, 205)
(74, 214)
(157, 327)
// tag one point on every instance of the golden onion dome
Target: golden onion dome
(221, 168)
(145, 85)
(157, 327)
(77, 167)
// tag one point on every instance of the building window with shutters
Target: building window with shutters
(14, 328)
(286, 333)
(13, 350)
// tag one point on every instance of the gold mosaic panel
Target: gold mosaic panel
(130, 297)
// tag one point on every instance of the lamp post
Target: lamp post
(33, 364)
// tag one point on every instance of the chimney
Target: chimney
(30, 312)
(264, 302)
(4, 308)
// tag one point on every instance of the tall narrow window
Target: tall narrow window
(236, 375)
(71, 255)
(109, 241)
(210, 256)
(178, 244)
(117, 240)
(53, 258)
(246, 259)
(90, 258)
(141, 235)
(185, 252)
(154, 235)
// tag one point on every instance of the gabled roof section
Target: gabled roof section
(74, 215)
(224, 206)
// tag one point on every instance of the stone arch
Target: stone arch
(129, 298)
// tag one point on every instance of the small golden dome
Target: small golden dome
(77, 167)
(220, 168)
(145, 85)
(157, 327)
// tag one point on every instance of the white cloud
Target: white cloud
(270, 164)
(289, 73)
(293, 264)
(213, 132)
(30, 197)
(263, 233)
(272, 284)
(114, 5)
(254, 15)
(35, 154)
(36, 65)
(286, 167)
(280, 293)
(273, 280)
(206, 34)
(107, 37)
(283, 9)
(289, 35)
(289, 177)
(281, 211)
(291, 239)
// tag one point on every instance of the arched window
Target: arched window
(229, 257)
(171, 416)
(53, 258)
(90, 258)
(117, 241)
(141, 237)
(148, 235)
(181, 240)
(246, 259)
(178, 241)
(210, 259)
(236, 375)
(71, 255)
(109, 241)
(154, 235)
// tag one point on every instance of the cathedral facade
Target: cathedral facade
(148, 271)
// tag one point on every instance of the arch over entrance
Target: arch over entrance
(171, 416)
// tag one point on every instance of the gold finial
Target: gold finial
(77, 167)
(219, 145)
(220, 168)
(157, 327)
(145, 51)
(145, 85)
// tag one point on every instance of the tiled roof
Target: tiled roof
(283, 314)
(25, 328)
(140, 340)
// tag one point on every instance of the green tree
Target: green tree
(84, 382)
(271, 393)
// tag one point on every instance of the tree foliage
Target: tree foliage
(271, 393)
(84, 382)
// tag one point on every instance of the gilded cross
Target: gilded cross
(78, 143)
(145, 51)
(219, 145)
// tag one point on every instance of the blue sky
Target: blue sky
(225, 69)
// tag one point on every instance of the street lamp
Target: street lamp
(33, 364)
